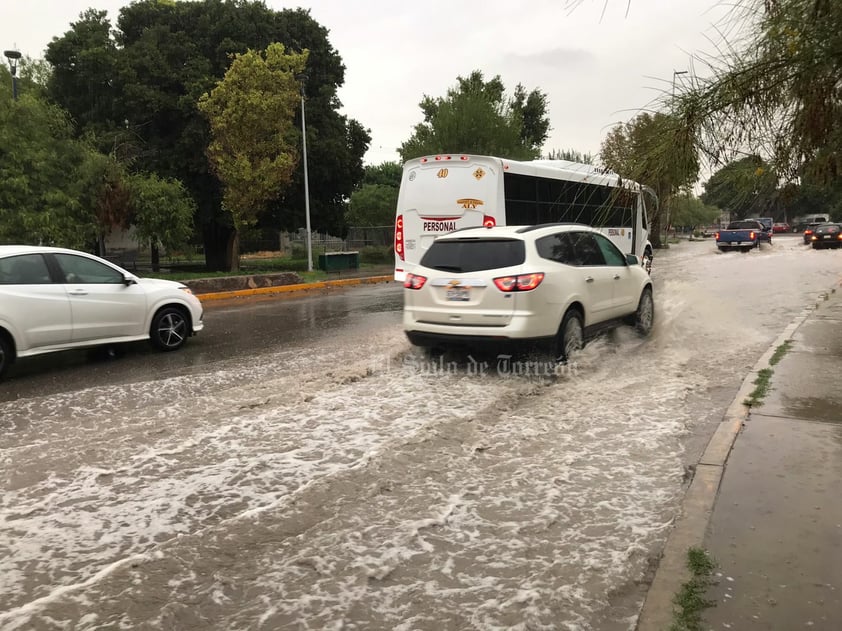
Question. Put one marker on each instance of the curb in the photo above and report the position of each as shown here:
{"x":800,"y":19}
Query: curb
{"x":284,"y":289}
{"x":697,"y":506}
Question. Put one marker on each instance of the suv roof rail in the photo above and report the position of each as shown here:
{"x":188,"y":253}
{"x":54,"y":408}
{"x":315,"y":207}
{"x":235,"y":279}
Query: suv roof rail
{"x":550,"y":225}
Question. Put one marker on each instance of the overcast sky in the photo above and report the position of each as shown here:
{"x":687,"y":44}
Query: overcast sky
{"x":599,"y":64}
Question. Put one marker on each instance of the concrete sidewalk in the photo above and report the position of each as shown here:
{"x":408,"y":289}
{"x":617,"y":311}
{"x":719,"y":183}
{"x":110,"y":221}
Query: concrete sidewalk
{"x":766,"y":495}
{"x":776,"y":529}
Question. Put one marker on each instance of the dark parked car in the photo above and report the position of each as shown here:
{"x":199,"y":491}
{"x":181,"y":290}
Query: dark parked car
{"x":827,"y":235}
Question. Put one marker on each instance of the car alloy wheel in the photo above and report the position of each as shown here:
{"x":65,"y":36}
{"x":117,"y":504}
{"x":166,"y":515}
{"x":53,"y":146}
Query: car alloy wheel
{"x":169,"y":329}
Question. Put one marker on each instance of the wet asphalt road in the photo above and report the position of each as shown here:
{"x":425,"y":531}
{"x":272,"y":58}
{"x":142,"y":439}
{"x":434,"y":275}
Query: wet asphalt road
{"x":234,"y":330}
{"x":300,"y":466}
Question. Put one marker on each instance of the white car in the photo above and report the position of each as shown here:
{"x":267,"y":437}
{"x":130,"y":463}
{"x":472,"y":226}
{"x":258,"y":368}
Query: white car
{"x":52,"y":299}
{"x":552,"y":284}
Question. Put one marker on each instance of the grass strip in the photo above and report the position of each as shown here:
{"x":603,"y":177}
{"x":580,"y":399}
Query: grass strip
{"x":761,"y":387}
{"x":782,"y":350}
{"x":691,"y":600}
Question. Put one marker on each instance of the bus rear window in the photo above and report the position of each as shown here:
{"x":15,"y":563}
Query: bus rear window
{"x":475,"y":255}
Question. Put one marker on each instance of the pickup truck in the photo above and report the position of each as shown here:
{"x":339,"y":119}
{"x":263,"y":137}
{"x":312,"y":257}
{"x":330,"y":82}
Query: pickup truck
{"x":743,"y":235}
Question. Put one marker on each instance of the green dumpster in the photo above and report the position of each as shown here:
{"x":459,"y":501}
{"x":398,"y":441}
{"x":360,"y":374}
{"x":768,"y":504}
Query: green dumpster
{"x":337,"y":261}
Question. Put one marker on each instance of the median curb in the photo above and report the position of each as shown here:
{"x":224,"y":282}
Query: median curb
{"x":284,"y":289}
{"x":697,"y":506}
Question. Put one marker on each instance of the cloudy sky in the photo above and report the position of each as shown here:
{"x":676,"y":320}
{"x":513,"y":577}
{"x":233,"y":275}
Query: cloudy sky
{"x":599,"y":63}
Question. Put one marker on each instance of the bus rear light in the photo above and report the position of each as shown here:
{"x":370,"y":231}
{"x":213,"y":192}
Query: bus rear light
{"x":488,"y":221}
{"x":463,"y":158}
{"x":414,"y":281}
{"x":522,"y":282}
{"x":399,"y":237}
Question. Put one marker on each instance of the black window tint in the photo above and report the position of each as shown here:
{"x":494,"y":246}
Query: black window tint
{"x":474,"y":255}
{"x":25,"y":269}
{"x":587,"y":249}
{"x":612,"y":255}
{"x":558,"y":248}
{"x":79,"y":269}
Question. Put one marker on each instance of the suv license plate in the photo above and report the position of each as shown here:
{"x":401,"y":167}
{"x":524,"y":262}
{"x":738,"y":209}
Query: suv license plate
{"x":458,"y":294}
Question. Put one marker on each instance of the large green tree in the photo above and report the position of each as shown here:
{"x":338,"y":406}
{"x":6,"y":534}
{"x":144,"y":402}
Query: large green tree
{"x":162,"y":213}
{"x":374,"y":202}
{"x":254,"y":149}
{"x":164,"y":56}
{"x":44,"y":183}
{"x":743,"y":188}
{"x":477,"y":117}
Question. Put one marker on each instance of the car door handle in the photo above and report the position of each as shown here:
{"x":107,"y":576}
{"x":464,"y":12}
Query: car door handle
{"x":589,"y":279}
{"x":77,"y":292}
{"x":616,"y":277}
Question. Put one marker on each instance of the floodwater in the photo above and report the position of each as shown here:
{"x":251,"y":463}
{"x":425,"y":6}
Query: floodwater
{"x":355,"y":483}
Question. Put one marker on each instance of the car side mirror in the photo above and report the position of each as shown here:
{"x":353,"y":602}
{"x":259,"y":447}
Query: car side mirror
{"x":128,"y":280}
{"x":632,"y":259}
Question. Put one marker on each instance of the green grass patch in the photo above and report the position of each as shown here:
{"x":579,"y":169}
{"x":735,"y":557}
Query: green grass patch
{"x":761,"y":387}
{"x":782,"y":350}
{"x":691,"y":600}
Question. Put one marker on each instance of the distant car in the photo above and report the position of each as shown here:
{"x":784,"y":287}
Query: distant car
{"x":709,"y":231}
{"x":550,"y":285}
{"x":780,"y":227}
{"x":827,"y":235}
{"x":808,"y":231}
{"x":52,"y":299}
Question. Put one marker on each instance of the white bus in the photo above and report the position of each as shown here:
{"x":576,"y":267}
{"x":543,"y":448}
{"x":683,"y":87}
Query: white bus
{"x":440,"y":194}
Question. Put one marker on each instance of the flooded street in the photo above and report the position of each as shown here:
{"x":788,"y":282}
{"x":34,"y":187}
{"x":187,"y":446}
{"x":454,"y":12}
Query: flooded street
{"x":348,"y":481}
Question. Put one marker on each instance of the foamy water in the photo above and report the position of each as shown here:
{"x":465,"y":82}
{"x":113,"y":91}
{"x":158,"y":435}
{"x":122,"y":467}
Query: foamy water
{"x":356,"y":488}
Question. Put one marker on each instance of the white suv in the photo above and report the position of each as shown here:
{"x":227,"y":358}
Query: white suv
{"x":555,"y":284}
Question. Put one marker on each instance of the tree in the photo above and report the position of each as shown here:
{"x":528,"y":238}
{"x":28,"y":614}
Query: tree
{"x":162,"y":213}
{"x":254,"y":147}
{"x":651,"y":150}
{"x":689,"y":211}
{"x":476,"y":117}
{"x":570,"y":155}
{"x":165,"y":56}
{"x":776,"y":92}
{"x":42,"y":175}
{"x":744,"y":188}
{"x":373,"y":205}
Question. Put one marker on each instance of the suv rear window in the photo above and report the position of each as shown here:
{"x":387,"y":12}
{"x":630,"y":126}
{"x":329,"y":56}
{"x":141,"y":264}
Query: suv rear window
{"x":474,"y":255}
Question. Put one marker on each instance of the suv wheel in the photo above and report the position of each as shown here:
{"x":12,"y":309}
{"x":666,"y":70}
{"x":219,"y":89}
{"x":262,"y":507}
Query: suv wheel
{"x":571,"y":337}
{"x":5,"y":354}
{"x":644,"y":317}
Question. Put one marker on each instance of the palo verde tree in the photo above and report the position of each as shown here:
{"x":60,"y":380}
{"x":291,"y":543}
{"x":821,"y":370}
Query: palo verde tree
{"x":476,"y":117}
{"x":253,"y":150}
{"x":775,"y":93}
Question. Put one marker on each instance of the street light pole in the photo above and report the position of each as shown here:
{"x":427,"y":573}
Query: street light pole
{"x":301,"y":79}
{"x":675,"y":73}
{"x":13,"y":56}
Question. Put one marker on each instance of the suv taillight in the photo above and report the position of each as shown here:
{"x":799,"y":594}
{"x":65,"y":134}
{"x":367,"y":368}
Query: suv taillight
{"x":414,"y":281}
{"x":399,"y":237}
{"x":751,"y":235}
{"x":716,"y":236}
{"x":522,"y":282}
